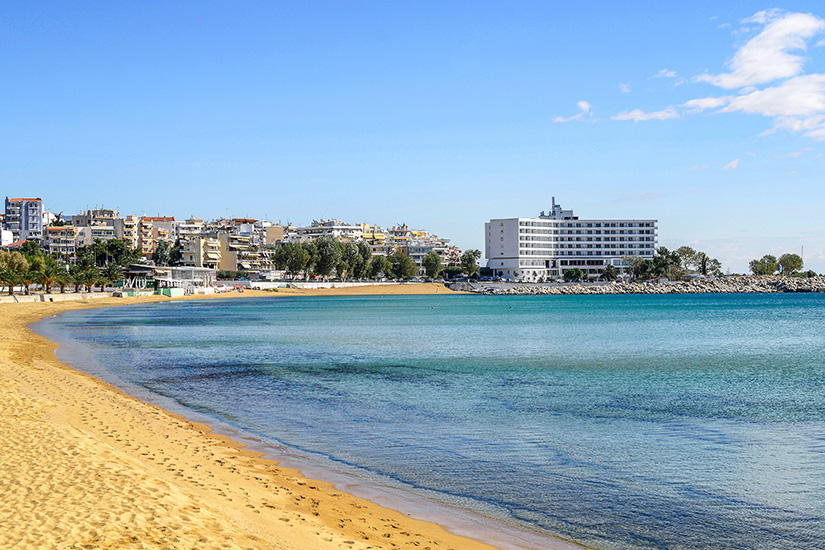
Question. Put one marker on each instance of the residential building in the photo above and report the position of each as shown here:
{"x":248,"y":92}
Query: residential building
{"x":542,"y":248}
{"x":98,"y":216}
{"x":336,"y":229}
{"x":91,"y":233}
{"x":151,"y":230}
{"x":127,"y":230}
{"x":62,"y":240}
{"x":200,"y":252}
{"x":6,"y":237}
{"x":193,"y":227}
{"x":24,"y":218}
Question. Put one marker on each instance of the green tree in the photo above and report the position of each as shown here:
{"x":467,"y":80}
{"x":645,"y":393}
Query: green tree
{"x":110,"y":273}
{"x":379,"y":264}
{"x":365,"y":251}
{"x":609,"y":273}
{"x":432,"y":264}
{"x":162,"y":254}
{"x":667,"y":264}
{"x":49,"y":271}
{"x":176,"y":253}
{"x":292,"y":258}
{"x":62,"y":278}
{"x":688,"y":258}
{"x":639,"y":268}
{"x":574,"y":274}
{"x":105,"y":252}
{"x":58,"y":220}
{"x":30,"y":248}
{"x":328,"y":256}
{"x":469,"y":262}
{"x":790,"y":263}
{"x":13,"y":269}
{"x":32,"y":275}
{"x":402,"y":266}
{"x":767,"y":265}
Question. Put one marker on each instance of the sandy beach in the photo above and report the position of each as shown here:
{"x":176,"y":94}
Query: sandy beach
{"x":86,"y":466}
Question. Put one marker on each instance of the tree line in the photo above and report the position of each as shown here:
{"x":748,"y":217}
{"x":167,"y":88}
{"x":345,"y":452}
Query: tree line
{"x":786,"y":264}
{"x":326,"y":256}
{"x":98,"y":264}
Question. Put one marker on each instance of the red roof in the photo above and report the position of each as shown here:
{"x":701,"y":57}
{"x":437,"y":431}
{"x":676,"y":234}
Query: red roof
{"x":60,"y":227}
{"x":18,"y":200}
{"x":16,"y":244}
{"x":246,"y":220}
{"x":158,"y":218}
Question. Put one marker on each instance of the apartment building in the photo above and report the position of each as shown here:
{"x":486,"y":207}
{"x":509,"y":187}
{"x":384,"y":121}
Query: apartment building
{"x":24,"y":218}
{"x":127,"y":230}
{"x":542,"y":248}
{"x":336,"y":229}
{"x":200,"y":251}
{"x":152,"y":229}
{"x":98,"y":216}
{"x":63,"y":241}
{"x":88,"y":234}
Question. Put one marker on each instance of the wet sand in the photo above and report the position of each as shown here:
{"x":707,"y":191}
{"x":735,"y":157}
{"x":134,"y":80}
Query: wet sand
{"x":86,"y":466}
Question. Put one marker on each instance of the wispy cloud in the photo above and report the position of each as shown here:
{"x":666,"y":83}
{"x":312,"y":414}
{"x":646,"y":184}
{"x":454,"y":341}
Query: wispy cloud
{"x":584,"y":111}
{"x":638,"y":115}
{"x":767,"y":74}
{"x":698,"y":168}
{"x":731,"y":165}
{"x":666,"y":73}
{"x":765,"y":57}
{"x":624,"y":88}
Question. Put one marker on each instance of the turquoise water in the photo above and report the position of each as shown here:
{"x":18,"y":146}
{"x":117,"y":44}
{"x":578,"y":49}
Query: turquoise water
{"x":683,"y":421}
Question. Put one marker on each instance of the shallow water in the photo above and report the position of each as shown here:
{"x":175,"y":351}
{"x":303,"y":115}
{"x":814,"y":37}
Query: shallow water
{"x":674,"y":421}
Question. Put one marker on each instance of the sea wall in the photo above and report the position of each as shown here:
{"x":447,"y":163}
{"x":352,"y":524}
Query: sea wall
{"x":54,"y":297}
{"x":745,"y":284}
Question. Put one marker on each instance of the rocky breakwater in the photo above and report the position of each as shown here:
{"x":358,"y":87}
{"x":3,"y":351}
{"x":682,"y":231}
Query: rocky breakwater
{"x":745,"y":284}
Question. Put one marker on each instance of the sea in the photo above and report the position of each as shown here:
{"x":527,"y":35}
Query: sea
{"x":617,"y":422}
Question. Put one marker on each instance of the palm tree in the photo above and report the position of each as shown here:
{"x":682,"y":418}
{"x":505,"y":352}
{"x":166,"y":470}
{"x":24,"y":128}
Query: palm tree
{"x":110,"y":273}
{"x":609,"y":273}
{"x":62,"y":278}
{"x":48,"y":274}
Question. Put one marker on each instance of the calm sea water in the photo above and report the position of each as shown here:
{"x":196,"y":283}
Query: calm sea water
{"x":616,"y":421}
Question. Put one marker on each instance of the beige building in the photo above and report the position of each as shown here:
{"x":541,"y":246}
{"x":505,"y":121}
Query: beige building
{"x":62,"y":240}
{"x":127,"y":230}
{"x":201,"y":252}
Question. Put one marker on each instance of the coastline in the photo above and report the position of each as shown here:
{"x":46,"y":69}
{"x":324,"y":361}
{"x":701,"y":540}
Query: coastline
{"x":91,"y":466}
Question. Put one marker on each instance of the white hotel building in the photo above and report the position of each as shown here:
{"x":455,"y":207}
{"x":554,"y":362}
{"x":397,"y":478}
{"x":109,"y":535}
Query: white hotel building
{"x":534,"y":249}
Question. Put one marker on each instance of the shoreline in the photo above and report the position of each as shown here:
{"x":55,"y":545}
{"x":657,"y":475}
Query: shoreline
{"x":190,"y":486}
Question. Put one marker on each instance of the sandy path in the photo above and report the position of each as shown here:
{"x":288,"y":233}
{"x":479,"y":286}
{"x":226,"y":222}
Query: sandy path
{"x":85,"y":466}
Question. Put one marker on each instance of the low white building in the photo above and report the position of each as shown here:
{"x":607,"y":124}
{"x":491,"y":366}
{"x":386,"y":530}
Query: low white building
{"x":542,"y":248}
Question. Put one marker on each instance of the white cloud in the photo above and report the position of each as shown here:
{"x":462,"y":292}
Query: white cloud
{"x":765,"y":57}
{"x":701,"y":104}
{"x":799,"y":96}
{"x":731,"y":165}
{"x":584,"y":109}
{"x":751,"y":154}
{"x":665,"y":73}
{"x":624,"y":88}
{"x":639,"y":115}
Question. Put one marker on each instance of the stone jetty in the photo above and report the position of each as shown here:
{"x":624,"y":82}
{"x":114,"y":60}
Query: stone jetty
{"x":743,"y":284}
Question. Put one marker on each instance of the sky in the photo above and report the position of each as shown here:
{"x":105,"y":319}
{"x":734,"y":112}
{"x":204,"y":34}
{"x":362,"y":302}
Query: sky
{"x":708,"y":116}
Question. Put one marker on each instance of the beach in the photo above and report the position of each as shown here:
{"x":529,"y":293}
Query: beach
{"x":86,"y":466}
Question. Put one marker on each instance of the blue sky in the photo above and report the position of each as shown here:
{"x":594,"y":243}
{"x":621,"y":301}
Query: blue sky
{"x":439,"y":114}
